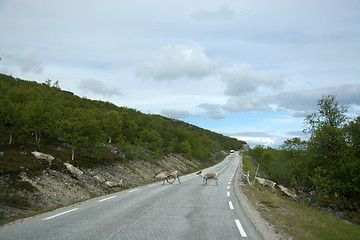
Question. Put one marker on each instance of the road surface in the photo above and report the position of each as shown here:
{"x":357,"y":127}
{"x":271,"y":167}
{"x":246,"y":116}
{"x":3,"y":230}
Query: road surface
{"x":190,"y":210}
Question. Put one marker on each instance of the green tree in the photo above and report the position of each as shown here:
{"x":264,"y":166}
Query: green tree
{"x":184,"y":147}
{"x":152,"y":139}
{"x":351,"y":169}
{"x":294,"y":151}
{"x":327,"y":143}
{"x":111,"y":123}
{"x":330,"y":113}
{"x":12,"y":109}
{"x":81,"y":129}
{"x":41,"y":111}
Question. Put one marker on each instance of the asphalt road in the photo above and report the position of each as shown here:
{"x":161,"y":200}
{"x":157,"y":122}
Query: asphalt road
{"x":190,"y":210}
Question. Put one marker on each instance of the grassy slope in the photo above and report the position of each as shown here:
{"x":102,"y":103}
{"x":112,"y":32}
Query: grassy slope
{"x":296,"y":219}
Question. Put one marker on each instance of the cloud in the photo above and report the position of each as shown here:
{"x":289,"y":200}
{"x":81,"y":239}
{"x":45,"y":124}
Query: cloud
{"x":98,"y":87}
{"x":28,"y":61}
{"x":223,"y":13}
{"x":213,"y":111}
{"x":240,"y":79}
{"x":256,"y":138}
{"x":300,"y":102}
{"x":247,"y":103}
{"x":178,"y":61}
{"x":177,"y":114}
{"x":296,"y":134}
{"x":270,"y":139}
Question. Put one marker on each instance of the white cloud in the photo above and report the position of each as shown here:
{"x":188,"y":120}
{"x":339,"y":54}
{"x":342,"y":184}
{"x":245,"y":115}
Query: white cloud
{"x":253,"y":141}
{"x":27,"y":61}
{"x":213,"y":111}
{"x":178,"y":114}
{"x":241,"y":79}
{"x":98,"y":87}
{"x":178,"y":61}
{"x":223,"y":13}
{"x":247,"y":103}
{"x":300,"y":103}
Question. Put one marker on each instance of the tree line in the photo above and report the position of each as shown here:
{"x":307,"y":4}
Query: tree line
{"x":328,"y":163}
{"x":28,"y":108}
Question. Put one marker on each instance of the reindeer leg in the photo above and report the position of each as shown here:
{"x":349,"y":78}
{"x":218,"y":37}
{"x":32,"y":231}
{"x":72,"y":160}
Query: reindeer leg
{"x":179,"y":180}
{"x":168,"y":181}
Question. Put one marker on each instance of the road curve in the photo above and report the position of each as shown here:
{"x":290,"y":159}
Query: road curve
{"x":190,"y":210}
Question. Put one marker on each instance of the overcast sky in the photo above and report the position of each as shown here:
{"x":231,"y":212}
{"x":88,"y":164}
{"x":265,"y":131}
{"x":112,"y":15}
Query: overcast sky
{"x":251,"y":69}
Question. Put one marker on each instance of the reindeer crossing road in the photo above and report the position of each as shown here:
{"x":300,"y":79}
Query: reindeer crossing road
{"x":190,"y":210}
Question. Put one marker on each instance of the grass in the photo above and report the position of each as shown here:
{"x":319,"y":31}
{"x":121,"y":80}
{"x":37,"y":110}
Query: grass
{"x":295,"y":219}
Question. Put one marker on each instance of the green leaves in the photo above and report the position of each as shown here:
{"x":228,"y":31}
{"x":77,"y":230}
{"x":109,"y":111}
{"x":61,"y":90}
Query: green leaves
{"x":330,"y":113}
{"x":80,"y":128}
{"x":329,"y":163}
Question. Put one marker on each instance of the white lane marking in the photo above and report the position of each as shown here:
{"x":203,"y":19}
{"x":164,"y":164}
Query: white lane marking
{"x":106,"y":199}
{"x":229,"y":183}
{"x":228,"y":194}
{"x":134,"y":190}
{"x":228,"y":187}
{"x":231,"y":205}
{"x":57,"y":215}
{"x":241,"y":229}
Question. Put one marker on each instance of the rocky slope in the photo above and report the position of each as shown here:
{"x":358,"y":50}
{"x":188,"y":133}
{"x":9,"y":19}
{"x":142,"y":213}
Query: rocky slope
{"x":55,"y":188}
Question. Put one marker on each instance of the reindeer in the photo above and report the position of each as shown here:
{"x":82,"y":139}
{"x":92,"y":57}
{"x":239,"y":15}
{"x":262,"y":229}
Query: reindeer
{"x":166,"y":175}
{"x":288,"y":192}
{"x":207,"y":176}
{"x":265,"y":182}
{"x":77,"y":172}
{"x":40,"y":155}
{"x":111,"y":184}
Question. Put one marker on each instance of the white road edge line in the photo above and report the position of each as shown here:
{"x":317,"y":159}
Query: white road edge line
{"x":57,"y":215}
{"x":231,"y":205}
{"x":134,"y":190}
{"x":228,"y":187}
{"x":228,"y":193}
{"x":241,"y":230}
{"x":106,"y":199}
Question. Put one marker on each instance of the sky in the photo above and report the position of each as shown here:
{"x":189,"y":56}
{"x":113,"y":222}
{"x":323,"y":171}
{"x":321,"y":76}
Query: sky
{"x":250,"y":69}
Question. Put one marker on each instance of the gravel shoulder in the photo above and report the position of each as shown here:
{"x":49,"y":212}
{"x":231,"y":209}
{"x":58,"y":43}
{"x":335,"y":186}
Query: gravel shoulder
{"x":266,"y":230}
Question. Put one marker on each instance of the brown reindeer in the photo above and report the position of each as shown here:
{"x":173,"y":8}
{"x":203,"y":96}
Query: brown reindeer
{"x":207,"y":176}
{"x":166,"y":175}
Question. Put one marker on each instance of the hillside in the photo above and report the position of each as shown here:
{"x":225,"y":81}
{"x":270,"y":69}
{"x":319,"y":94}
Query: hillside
{"x":97,"y":137}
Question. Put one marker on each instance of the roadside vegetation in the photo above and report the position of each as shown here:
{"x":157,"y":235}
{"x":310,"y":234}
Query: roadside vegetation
{"x":297,"y":220}
{"x":323,"y":171}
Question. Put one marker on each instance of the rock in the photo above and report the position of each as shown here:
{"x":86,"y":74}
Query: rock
{"x":334,"y":207}
{"x":327,"y":210}
{"x":2,"y":154}
{"x":341,"y":215}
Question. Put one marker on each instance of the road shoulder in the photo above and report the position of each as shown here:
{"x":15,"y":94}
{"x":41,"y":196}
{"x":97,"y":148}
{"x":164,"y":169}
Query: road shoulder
{"x":266,"y":230}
